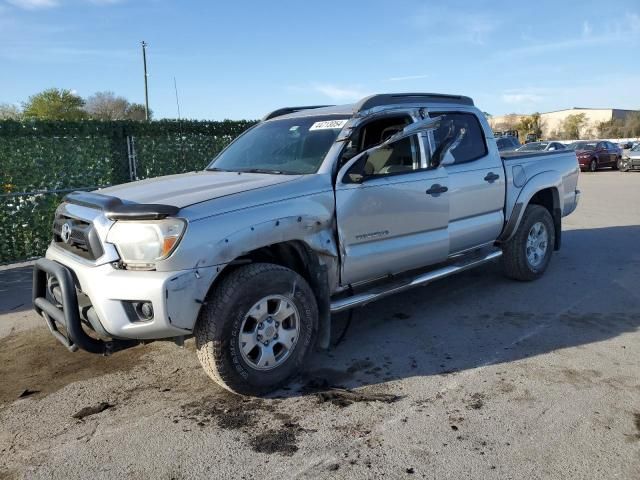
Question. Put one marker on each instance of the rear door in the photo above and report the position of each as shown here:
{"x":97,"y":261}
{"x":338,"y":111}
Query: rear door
{"x":396,"y":218}
{"x":476,"y":183}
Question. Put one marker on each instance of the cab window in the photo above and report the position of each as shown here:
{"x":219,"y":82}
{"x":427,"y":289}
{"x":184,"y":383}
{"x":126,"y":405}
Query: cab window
{"x":402,"y":156}
{"x":467,"y":130}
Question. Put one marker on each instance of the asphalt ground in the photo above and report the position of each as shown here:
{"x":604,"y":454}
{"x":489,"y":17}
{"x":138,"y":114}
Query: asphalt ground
{"x":474,"y":377}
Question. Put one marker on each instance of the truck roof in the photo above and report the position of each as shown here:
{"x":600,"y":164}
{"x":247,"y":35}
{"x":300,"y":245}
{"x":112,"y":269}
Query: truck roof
{"x":367,"y":103}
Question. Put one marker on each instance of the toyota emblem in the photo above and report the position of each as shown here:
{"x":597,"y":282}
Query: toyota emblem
{"x":65,"y":232}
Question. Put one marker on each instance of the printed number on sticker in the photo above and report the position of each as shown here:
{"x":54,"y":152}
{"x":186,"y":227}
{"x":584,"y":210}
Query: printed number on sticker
{"x":328,"y":124}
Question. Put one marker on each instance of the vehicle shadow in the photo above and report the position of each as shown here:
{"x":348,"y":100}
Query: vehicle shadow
{"x":15,"y":289}
{"x":589,"y":294}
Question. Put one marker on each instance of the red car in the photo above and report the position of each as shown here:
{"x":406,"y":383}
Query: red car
{"x":595,"y":154}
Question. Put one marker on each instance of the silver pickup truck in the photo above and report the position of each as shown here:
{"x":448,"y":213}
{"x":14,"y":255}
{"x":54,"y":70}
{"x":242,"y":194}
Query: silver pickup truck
{"x":313,"y":211}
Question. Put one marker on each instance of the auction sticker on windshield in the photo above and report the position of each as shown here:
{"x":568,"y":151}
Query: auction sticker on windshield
{"x":328,"y":125}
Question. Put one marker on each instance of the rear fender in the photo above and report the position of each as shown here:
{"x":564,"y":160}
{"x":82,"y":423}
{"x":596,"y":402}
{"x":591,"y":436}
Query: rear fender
{"x":542,"y":181}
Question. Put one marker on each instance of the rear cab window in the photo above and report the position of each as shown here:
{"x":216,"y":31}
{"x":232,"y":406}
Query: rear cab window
{"x":466,"y":128}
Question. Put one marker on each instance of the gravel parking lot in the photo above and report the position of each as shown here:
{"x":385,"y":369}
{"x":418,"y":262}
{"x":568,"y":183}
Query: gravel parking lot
{"x":473,"y":377}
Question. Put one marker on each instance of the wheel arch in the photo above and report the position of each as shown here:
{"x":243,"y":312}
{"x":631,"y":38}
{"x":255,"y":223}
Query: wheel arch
{"x":317,"y":268}
{"x":545,"y":189}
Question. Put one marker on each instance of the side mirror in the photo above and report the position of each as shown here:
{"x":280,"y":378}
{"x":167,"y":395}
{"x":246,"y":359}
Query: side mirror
{"x":355,"y":168}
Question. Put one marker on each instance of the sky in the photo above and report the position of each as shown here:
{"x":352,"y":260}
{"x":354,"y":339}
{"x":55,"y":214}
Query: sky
{"x":242,"y":59}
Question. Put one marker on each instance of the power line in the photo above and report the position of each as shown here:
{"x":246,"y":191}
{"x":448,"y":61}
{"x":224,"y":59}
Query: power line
{"x":175,"y":86}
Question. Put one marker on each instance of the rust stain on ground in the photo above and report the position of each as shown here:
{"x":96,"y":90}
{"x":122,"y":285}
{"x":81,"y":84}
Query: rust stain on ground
{"x":35,"y":360}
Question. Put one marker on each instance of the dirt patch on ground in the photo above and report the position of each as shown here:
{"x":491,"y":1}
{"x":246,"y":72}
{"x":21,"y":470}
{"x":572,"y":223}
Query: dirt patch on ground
{"x":227,"y":410}
{"x":281,"y":441}
{"x":35,"y":361}
{"x":344,"y":398}
{"x":249,"y":416}
{"x":475,"y":401}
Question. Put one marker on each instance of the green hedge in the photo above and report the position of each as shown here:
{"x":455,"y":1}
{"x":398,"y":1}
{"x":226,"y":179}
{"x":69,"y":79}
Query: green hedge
{"x":41,"y":160}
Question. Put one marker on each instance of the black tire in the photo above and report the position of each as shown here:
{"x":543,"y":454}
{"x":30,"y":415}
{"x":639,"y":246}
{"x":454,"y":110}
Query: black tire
{"x":593,"y":165}
{"x":218,"y":328}
{"x":623,"y":165}
{"x":514,"y":258}
{"x":615,"y":164}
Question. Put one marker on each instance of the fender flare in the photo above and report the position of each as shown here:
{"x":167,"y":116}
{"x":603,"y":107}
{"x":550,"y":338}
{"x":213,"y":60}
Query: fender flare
{"x":311,"y":237}
{"x":549,"y":179}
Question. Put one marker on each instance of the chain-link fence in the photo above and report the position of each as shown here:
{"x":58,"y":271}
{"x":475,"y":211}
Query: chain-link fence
{"x":41,"y":161}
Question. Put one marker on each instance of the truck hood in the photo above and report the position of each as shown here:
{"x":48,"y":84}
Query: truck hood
{"x":189,"y":188}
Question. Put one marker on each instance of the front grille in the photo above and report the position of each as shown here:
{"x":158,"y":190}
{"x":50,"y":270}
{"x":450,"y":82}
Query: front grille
{"x":83,"y":239}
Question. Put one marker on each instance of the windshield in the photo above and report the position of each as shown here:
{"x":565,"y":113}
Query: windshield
{"x":289,"y":146}
{"x":532,"y":147}
{"x":583,"y":146}
{"x":636,"y":148}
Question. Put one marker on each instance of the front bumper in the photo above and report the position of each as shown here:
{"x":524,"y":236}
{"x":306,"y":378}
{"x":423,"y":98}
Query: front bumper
{"x":107,"y":296}
{"x":67,"y":314}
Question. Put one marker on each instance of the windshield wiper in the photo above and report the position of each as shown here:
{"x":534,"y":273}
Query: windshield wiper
{"x":265,"y":170}
{"x":216,"y":169}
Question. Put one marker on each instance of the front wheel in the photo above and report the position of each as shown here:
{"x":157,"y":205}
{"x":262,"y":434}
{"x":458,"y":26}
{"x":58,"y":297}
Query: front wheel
{"x":257,"y":328}
{"x":623,"y":165}
{"x":593,"y":165}
{"x":528,"y":253}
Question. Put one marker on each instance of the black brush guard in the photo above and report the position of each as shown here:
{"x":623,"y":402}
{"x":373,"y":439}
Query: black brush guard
{"x":69,"y":314}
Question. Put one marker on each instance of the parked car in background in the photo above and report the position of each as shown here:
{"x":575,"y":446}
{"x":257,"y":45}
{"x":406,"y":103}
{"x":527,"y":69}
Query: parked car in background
{"x":507,"y":143}
{"x":630,"y":159}
{"x":594,"y":154}
{"x":506,"y":133}
{"x":541,"y":147}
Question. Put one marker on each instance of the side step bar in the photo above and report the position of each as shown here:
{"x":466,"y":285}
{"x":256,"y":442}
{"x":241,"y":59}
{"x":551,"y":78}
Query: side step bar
{"x":361,"y":299}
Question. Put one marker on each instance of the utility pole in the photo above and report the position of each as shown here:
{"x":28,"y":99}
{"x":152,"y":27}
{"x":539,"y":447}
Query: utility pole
{"x":146,"y":90}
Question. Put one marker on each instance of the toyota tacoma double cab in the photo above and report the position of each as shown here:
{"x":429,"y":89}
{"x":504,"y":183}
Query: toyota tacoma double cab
{"x":313,"y":211}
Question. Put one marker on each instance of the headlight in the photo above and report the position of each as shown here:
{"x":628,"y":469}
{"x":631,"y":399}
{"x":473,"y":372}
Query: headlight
{"x":142,"y":243}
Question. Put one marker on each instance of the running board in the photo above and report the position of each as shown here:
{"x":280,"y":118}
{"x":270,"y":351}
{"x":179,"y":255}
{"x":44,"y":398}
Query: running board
{"x":361,"y":299}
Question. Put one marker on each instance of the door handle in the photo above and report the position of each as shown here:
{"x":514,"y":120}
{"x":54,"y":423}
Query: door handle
{"x":436,"y":190}
{"x":491,"y":177}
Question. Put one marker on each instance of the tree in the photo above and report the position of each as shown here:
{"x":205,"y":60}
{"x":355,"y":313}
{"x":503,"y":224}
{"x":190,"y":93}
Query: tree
{"x":530,"y":124}
{"x":55,"y":104}
{"x":573,"y":125}
{"x":9,"y":112}
{"x":135,"y":111}
{"x":106,"y":106}
{"x":629,"y":127}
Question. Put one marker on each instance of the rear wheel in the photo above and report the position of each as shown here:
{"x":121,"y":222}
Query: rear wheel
{"x":528,"y":253}
{"x":257,"y":328}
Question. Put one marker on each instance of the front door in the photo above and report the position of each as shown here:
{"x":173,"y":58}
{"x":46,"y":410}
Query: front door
{"x":396,"y":218}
